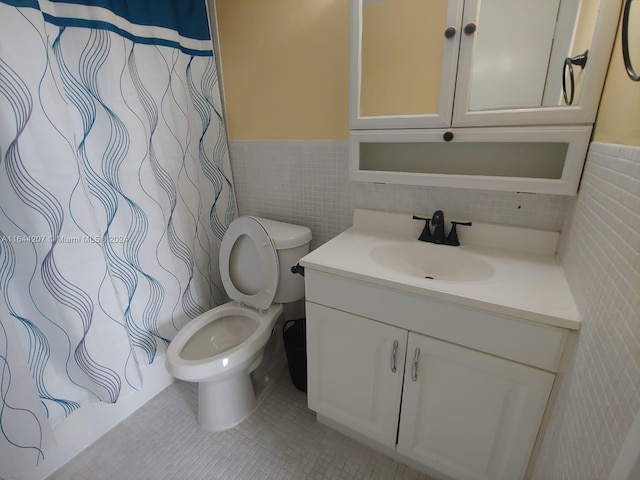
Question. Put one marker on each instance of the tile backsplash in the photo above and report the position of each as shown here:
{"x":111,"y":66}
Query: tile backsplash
{"x":600,"y":252}
{"x":306,"y":182}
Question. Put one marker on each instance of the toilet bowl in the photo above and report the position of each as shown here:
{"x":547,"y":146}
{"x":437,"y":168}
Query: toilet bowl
{"x":220,"y":348}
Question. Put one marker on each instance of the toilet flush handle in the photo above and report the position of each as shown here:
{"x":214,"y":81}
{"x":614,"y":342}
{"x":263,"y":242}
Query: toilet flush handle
{"x":297,"y":268}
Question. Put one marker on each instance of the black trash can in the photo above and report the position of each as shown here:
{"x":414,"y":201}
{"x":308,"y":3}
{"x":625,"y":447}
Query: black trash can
{"x":295,"y":345}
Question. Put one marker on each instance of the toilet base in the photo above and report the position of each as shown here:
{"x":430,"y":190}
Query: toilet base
{"x":224,"y":404}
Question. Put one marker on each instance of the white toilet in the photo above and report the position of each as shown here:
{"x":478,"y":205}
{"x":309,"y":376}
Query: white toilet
{"x":220,"y":348}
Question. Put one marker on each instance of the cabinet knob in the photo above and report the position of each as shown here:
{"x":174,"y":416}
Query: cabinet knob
{"x":448,"y":136}
{"x":470,"y":28}
{"x":450,"y":32}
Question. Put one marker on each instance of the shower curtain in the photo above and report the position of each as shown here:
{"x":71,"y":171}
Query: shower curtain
{"x":115,"y":191}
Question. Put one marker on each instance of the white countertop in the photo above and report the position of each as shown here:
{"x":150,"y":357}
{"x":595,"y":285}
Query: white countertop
{"x":528,"y":284}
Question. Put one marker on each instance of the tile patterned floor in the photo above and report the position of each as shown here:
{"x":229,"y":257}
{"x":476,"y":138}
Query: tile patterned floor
{"x":281,"y":440}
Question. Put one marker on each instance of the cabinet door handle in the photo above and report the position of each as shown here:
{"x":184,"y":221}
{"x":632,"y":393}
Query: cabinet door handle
{"x":450,"y":32}
{"x":470,"y":28}
{"x":414,"y":368}
{"x":393,"y":356}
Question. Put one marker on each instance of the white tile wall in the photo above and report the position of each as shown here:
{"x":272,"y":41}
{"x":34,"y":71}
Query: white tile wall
{"x":306,"y":182}
{"x":600,"y":251}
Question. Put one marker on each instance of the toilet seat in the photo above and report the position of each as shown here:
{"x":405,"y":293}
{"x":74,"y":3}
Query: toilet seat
{"x":256,"y":244}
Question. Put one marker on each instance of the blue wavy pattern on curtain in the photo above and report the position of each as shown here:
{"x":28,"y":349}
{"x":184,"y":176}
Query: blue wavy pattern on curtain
{"x":115,"y":192}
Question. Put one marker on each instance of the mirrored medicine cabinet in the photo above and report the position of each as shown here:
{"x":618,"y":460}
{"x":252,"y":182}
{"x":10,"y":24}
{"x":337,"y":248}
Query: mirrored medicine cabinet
{"x":449,"y":66}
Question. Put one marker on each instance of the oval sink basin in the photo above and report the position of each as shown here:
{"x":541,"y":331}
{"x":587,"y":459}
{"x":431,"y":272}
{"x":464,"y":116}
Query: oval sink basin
{"x":437,"y":262}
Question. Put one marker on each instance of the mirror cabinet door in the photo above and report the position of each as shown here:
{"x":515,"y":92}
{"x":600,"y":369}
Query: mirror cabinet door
{"x":404,"y":58}
{"x":527,"y":62}
{"x":511,"y":51}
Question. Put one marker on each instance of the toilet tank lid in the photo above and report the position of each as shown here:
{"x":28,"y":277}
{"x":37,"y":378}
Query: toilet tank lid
{"x":285,"y":235}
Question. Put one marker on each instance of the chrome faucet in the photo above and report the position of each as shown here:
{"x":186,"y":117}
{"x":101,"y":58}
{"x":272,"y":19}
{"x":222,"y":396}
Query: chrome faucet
{"x":438,"y":235}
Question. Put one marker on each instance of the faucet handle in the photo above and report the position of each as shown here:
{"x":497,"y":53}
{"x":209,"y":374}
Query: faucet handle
{"x":425,"y":236}
{"x":452,"y":239}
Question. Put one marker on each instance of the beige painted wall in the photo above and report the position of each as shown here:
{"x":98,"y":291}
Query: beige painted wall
{"x":285,"y":66}
{"x":619,"y":114}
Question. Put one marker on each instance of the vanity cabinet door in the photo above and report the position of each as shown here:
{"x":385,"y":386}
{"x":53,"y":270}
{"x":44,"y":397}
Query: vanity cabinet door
{"x":350,"y":362}
{"x":468,"y":414}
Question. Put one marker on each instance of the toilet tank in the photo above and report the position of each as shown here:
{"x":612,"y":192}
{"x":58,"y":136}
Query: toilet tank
{"x":291,"y":243}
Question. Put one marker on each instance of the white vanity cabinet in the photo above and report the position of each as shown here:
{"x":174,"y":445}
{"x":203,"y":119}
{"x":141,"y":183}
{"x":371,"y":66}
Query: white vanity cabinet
{"x":457,"y":391}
